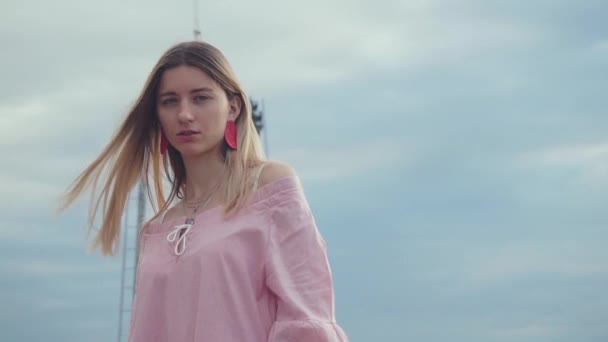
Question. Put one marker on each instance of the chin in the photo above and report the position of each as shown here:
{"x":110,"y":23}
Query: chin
{"x":194,"y":151}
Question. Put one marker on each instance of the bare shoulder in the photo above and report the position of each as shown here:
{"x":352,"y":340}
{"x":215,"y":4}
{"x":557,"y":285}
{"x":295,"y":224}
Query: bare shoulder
{"x":274,"y":170}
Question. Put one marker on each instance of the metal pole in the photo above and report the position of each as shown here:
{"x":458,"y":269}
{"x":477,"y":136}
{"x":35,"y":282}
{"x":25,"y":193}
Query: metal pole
{"x":197,"y":26}
{"x":122,"y":273}
{"x":265,"y":129}
{"x":141,"y":213}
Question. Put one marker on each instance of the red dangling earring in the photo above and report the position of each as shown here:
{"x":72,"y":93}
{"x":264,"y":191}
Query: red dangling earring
{"x":164,"y":142}
{"x":230,"y":134}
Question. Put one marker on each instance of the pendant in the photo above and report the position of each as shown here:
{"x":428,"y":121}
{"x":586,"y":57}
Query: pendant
{"x":190,"y":221}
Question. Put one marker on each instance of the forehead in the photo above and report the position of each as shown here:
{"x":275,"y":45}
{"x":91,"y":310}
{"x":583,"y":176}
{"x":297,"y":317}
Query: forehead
{"x":184,"y":78}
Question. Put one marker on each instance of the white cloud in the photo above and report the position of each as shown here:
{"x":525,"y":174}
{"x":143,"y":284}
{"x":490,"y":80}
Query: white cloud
{"x":572,"y":154}
{"x":518,"y":261}
{"x":589,"y":162}
{"x":45,"y":267}
{"x":597,"y":51}
{"x":331,"y":163}
{"x":21,"y":122}
{"x":537,"y":329}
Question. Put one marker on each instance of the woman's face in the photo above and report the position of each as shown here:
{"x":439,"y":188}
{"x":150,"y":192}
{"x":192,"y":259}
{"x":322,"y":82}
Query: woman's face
{"x":193,"y":110}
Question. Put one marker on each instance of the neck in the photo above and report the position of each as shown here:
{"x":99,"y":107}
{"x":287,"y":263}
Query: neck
{"x":203,"y":174}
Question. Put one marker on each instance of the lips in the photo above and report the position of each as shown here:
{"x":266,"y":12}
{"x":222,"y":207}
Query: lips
{"x":187,"y":133}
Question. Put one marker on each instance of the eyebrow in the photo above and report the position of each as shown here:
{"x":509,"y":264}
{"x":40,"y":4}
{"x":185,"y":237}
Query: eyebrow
{"x":203,"y":89}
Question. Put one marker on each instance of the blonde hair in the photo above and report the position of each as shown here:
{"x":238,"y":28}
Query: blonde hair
{"x":135,"y":148}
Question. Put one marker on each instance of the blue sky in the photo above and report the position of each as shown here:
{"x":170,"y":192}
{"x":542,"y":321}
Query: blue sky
{"x":455,"y":155}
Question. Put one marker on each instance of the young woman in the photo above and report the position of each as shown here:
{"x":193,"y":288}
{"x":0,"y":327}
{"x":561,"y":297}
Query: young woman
{"x":233,"y":254}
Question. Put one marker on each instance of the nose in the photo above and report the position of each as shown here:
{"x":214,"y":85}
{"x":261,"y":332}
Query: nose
{"x":185,"y":112}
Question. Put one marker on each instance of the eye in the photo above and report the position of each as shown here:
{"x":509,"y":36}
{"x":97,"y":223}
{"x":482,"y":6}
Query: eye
{"x":168,"y":101}
{"x":200,"y":98}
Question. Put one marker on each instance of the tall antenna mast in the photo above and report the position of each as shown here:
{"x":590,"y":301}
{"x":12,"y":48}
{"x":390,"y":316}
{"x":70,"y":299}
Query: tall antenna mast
{"x":197,"y":25}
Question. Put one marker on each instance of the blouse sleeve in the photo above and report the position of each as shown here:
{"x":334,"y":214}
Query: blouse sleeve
{"x":298,"y":273}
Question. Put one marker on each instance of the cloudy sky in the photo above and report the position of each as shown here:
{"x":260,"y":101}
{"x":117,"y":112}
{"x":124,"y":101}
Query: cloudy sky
{"x":455,"y":154}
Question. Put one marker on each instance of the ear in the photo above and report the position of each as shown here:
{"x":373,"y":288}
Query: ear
{"x":234,"y":107}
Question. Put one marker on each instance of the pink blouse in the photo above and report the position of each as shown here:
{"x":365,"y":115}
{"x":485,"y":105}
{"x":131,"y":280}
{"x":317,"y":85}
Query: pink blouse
{"x":260,"y":275}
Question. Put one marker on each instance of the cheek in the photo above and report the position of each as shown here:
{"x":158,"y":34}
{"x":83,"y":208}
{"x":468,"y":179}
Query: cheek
{"x":213,"y":119}
{"x":163,"y":119}
{"x":213,"y":126}
{"x":165,"y":115}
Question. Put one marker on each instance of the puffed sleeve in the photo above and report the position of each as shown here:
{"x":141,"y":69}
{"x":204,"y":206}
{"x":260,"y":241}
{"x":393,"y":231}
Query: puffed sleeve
{"x":298,"y":273}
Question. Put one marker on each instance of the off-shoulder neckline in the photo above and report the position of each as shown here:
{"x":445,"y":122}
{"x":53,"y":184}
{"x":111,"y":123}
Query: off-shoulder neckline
{"x":261,"y":193}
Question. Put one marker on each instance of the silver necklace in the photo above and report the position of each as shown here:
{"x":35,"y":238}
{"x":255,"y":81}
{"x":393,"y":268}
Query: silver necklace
{"x":180,"y":232}
{"x":185,"y":204}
